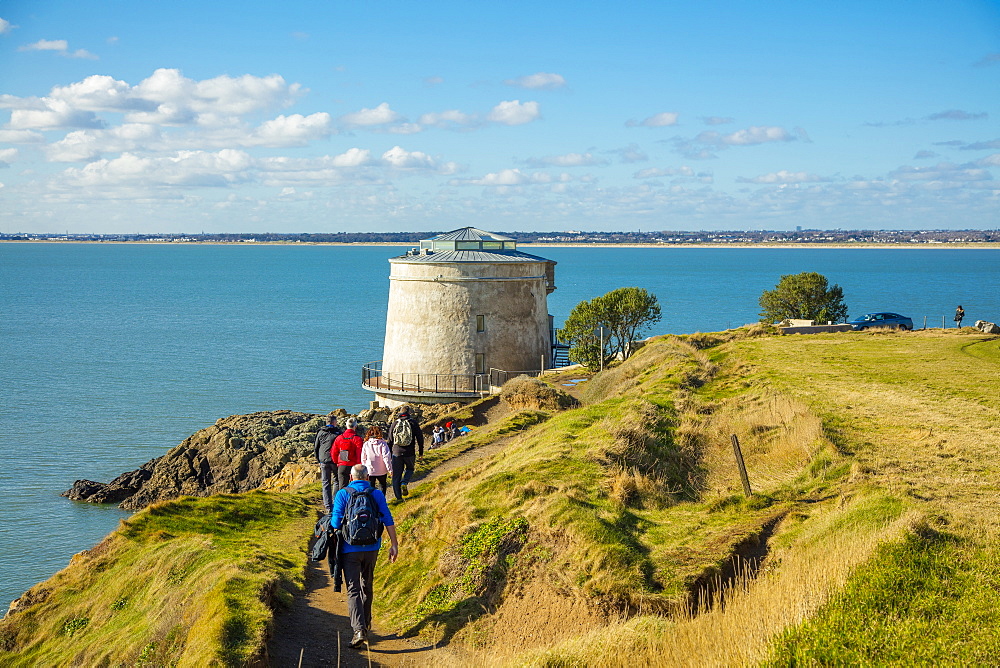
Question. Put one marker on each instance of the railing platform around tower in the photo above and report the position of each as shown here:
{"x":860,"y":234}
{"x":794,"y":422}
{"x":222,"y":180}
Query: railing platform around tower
{"x":456,"y":386}
{"x":451,"y":385}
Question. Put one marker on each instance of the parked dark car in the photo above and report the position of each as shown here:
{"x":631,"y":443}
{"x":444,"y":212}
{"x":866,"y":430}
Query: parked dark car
{"x":884,"y":319}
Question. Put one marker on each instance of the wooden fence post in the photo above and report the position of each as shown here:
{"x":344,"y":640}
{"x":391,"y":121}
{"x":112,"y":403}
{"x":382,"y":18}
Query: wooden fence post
{"x":741,"y":465}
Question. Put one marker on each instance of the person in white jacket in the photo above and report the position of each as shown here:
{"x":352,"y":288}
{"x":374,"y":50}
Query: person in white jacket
{"x":376,"y":457}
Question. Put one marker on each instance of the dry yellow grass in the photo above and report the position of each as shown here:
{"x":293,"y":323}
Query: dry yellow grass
{"x":798,"y":582}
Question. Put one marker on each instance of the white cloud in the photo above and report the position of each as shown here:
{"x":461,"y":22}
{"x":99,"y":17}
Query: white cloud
{"x":85,"y":145}
{"x":539,"y":81}
{"x":958,"y":115}
{"x":186,"y":168}
{"x":351,"y":158}
{"x":405,"y":129}
{"x":20,"y":137}
{"x":513,"y":112}
{"x":943,"y":171}
{"x":657,"y":172}
{"x":756,"y":134}
{"x":399,"y":158}
{"x":403,"y":159}
{"x":567,"y":160}
{"x":7,"y":156}
{"x":210,"y":102}
{"x":447,"y":119}
{"x":989,"y":161}
{"x":164,"y":98}
{"x":663,"y":119}
{"x":506,"y":177}
{"x":46,"y":45}
{"x":783,"y":177}
{"x":5,"y":26}
{"x":380,"y":115}
{"x":57,"y":114}
{"x":630,"y":154}
{"x":511,"y":177}
{"x":293,"y":130}
{"x":60,"y":46}
{"x":354,"y":157}
{"x":99,"y":93}
{"x":702,"y":146}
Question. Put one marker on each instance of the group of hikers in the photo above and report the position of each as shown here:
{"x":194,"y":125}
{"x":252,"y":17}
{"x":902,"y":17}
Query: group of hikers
{"x":350,"y":461}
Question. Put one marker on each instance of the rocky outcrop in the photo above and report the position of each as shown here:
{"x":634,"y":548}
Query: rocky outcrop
{"x":987,"y":327}
{"x":236,"y":454}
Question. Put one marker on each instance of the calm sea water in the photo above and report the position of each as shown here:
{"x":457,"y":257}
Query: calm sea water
{"x":111,"y":354}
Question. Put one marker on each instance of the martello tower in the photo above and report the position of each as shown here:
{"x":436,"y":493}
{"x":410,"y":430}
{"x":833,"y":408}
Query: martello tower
{"x":466,"y":311}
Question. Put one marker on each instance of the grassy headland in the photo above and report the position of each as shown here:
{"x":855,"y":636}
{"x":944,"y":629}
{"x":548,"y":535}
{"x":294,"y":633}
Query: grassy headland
{"x":871,"y":536}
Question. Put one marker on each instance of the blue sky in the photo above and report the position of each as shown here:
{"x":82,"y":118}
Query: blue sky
{"x":385,"y":116}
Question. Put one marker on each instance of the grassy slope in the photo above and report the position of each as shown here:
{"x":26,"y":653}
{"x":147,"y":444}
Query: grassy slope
{"x":919,"y":417}
{"x":889,"y":554}
{"x":181,"y":583}
{"x":876,"y":454}
{"x":611,"y":507}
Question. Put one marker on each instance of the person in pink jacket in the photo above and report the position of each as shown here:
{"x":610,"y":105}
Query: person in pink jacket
{"x":376,"y":457}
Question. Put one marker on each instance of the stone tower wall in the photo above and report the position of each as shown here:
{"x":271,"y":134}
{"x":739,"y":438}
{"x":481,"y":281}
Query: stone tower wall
{"x":431,"y":325}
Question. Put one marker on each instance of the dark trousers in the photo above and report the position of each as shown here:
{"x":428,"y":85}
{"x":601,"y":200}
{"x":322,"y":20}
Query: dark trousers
{"x":379,"y":481}
{"x":359,"y":569}
{"x":343,"y":476}
{"x":328,"y":478}
{"x":402,"y":471}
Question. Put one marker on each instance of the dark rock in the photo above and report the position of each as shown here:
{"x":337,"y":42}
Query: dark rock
{"x":82,"y":490}
{"x":236,"y":454}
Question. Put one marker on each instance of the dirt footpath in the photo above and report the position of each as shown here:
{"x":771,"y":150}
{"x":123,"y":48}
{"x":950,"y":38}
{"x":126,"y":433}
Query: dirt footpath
{"x":318,"y":628}
{"x":318,"y":616}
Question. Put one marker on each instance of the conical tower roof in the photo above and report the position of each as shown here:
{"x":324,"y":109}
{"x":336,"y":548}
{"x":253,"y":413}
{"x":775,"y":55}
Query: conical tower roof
{"x":470,"y":234}
{"x":468,"y":244}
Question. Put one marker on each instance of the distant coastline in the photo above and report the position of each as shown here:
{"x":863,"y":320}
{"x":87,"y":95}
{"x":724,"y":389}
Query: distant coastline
{"x":952,"y":245}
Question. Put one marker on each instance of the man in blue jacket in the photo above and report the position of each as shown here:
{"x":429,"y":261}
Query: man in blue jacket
{"x":359,"y":560}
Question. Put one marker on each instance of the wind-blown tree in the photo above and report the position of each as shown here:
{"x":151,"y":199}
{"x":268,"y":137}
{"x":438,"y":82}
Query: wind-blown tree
{"x":805,"y":296}
{"x":624,"y":312}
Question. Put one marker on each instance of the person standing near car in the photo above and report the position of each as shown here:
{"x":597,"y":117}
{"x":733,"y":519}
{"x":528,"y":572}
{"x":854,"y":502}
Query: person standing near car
{"x":959,"y":316}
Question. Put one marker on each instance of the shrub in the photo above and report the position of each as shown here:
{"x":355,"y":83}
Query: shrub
{"x":524,"y":392}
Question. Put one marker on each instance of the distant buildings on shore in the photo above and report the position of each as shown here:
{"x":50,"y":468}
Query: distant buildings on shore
{"x":724,"y":237}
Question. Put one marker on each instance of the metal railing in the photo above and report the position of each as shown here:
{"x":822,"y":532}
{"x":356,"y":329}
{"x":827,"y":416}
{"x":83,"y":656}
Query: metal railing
{"x":498,"y":376}
{"x":374,"y":378}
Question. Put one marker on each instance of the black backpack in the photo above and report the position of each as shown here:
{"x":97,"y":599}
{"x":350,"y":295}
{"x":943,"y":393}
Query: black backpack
{"x":362,"y":520}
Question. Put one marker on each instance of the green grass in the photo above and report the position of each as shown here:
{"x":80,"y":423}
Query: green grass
{"x":626,"y":505}
{"x":605,"y":495}
{"x":189,"y":582}
{"x":933,"y":599}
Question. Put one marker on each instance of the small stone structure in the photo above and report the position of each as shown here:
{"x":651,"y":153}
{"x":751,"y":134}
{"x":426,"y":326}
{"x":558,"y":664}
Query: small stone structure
{"x":987,"y":327}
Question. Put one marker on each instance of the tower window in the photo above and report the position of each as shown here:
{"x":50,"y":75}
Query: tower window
{"x":480,"y":323}
{"x":480,"y":363}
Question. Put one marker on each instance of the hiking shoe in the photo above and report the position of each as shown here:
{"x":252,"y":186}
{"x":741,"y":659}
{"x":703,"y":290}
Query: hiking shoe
{"x":358,"y":640}
{"x":404,"y":489}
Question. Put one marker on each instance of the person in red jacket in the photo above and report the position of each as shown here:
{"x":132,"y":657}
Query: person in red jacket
{"x":346,"y":452}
